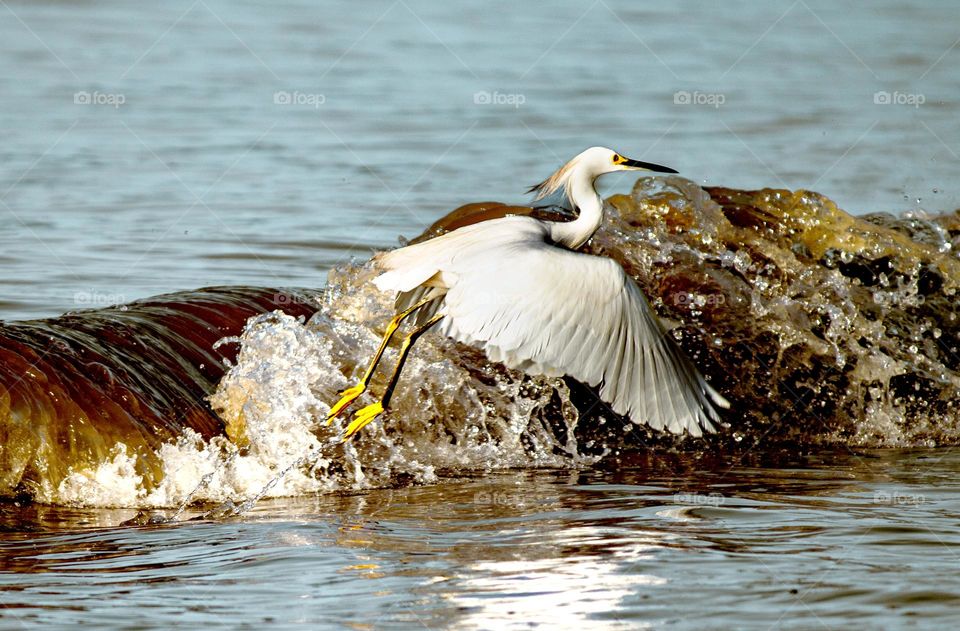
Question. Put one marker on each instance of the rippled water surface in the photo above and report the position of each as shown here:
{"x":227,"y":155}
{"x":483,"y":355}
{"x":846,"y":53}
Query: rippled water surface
{"x":862,"y":539}
{"x":200,"y":178}
{"x":263,"y":143}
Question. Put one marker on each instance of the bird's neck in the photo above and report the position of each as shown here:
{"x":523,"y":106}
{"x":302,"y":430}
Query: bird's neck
{"x":575,"y":233}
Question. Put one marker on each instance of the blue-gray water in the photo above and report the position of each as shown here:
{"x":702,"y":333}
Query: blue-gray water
{"x":152,"y":148}
{"x":199,"y":177}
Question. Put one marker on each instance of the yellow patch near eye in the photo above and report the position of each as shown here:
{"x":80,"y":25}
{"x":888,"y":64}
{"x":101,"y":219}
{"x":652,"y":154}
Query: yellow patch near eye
{"x":617,"y":158}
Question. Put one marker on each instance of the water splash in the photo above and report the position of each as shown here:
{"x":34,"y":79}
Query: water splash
{"x":819,"y":326}
{"x":455,"y":412}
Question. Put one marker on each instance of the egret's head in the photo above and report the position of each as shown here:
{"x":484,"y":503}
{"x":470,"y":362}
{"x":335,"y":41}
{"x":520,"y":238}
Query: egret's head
{"x":591,"y":164}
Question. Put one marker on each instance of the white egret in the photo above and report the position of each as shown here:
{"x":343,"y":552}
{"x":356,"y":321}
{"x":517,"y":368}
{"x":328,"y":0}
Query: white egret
{"x":516,"y":287}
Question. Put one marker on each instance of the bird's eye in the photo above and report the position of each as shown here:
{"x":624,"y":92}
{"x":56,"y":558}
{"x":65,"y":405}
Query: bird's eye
{"x":617,"y":158}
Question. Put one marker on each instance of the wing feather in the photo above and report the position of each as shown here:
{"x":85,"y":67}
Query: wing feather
{"x":544,"y":309}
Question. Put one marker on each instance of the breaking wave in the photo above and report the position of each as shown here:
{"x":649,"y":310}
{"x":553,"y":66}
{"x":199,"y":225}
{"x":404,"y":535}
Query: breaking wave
{"x":822,"y":329}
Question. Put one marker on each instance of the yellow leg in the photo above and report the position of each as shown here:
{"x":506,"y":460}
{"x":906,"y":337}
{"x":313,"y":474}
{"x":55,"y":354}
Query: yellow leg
{"x":363,"y":416}
{"x":347,"y":396}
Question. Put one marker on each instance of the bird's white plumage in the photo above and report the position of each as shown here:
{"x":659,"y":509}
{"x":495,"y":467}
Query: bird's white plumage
{"x":547,"y":310}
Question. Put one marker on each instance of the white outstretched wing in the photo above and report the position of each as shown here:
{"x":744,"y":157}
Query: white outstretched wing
{"x":548,"y":310}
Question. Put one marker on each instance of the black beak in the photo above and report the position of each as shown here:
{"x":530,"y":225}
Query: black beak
{"x":649,"y":166}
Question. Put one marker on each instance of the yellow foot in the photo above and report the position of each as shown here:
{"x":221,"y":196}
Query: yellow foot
{"x":347,"y":397}
{"x":362,"y":418}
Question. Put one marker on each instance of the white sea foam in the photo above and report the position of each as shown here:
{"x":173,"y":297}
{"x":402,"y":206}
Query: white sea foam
{"x":276,"y":398}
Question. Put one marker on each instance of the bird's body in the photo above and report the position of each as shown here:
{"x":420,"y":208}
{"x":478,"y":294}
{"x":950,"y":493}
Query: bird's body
{"x":515,"y":287}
